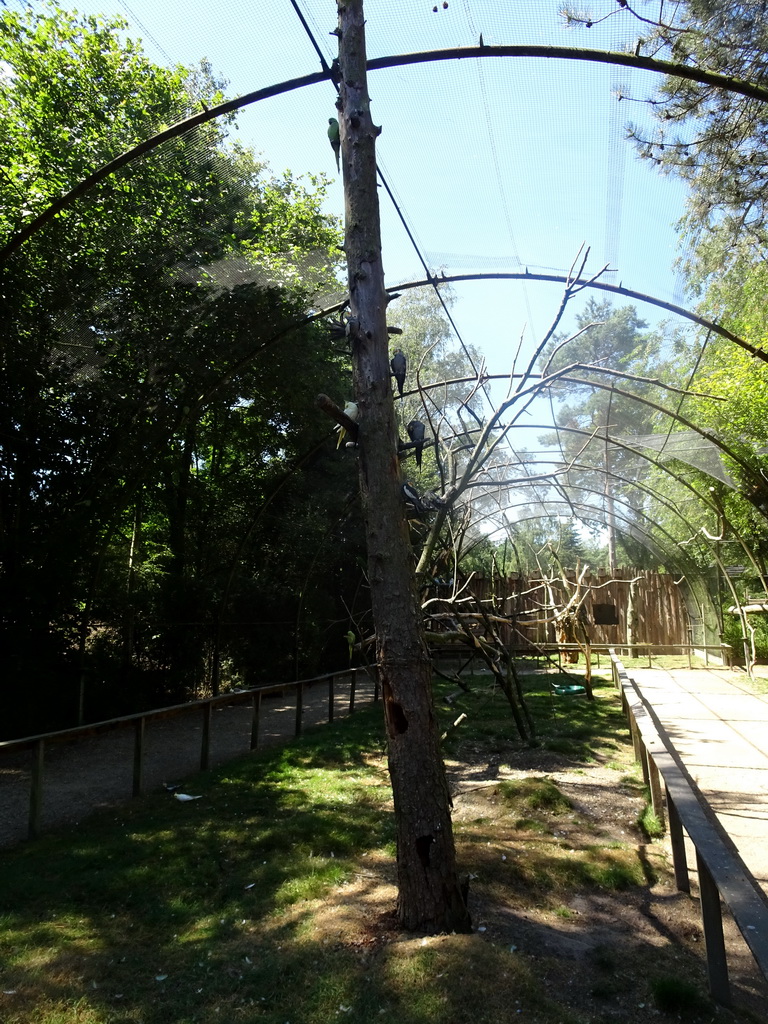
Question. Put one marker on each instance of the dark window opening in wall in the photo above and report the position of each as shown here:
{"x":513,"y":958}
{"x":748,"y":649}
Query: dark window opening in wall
{"x":605,"y":614}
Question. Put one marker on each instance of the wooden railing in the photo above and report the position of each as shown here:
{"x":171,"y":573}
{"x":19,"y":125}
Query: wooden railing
{"x":721,"y":871}
{"x":138,"y":722}
{"x":721,"y":654}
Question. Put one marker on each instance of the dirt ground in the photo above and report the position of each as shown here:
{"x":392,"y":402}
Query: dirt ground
{"x":597,"y":949}
{"x":598,"y":952}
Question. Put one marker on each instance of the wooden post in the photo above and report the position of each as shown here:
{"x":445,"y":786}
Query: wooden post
{"x":677,"y":840}
{"x":256,"y":720}
{"x":36,"y":788}
{"x":299,"y":708}
{"x":637,"y":742}
{"x":654,"y":782}
{"x":138,"y":755}
{"x":712,"y":921}
{"x":644,"y":759}
{"x":352,"y":689}
{"x":331,"y":680}
{"x":205,"y":745}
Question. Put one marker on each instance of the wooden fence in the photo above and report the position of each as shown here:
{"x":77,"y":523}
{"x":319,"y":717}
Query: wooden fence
{"x":721,"y":871}
{"x":39,"y":745}
{"x":657,"y":613}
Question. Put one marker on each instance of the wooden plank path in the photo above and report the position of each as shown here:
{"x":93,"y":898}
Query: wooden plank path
{"x":724,"y":766}
{"x":719,"y":729}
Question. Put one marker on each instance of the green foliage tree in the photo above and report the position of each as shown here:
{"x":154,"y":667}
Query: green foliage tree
{"x":713,"y":139}
{"x":150,"y":405}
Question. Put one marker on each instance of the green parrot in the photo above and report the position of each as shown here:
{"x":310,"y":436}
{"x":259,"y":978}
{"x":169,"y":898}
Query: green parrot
{"x":351,"y":638}
{"x":335,"y":139}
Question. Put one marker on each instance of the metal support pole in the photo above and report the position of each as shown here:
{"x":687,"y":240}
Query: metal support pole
{"x":36,"y":789}
{"x":299,"y":707}
{"x":205,"y":745}
{"x":139,"y":727}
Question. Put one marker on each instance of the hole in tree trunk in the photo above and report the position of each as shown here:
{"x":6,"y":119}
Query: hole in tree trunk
{"x":398,"y":723}
{"x":423,"y":844}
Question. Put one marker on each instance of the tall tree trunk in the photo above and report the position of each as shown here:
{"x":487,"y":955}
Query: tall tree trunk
{"x":430,"y":896}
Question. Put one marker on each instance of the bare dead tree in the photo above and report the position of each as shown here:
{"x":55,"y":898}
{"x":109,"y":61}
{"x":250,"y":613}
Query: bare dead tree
{"x":430,"y":895}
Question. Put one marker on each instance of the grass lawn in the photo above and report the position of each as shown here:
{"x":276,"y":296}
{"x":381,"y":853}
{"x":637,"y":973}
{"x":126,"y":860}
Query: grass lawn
{"x":270,"y":899}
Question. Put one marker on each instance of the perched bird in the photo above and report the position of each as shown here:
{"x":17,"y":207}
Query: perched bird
{"x":416,"y":430}
{"x":413,"y":501}
{"x":351,"y":411}
{"x":335,"y":139}
{"x":398,"y":363}
{"x":431,"y":500}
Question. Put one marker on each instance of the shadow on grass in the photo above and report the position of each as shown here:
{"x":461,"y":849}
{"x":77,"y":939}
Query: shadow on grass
{"x":160,"y":894}
{"x":574,"y":727}
{"x":168,"y":912}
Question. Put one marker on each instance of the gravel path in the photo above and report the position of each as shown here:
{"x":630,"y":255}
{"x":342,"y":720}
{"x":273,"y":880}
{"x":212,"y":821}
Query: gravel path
{"x":82,"y":776}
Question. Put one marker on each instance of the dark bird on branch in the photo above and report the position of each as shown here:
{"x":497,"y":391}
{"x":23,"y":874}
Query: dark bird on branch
{"x":413,"y":501}
{"x":399,"y":364}
{"x":432,"y":501}
{"x":416,"y":431}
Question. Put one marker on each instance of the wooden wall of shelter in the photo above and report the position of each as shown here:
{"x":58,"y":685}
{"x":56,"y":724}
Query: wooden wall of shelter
{"x":659,"y":613}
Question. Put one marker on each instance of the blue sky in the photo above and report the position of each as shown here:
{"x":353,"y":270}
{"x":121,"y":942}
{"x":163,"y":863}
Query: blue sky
{"x":497,"y":164}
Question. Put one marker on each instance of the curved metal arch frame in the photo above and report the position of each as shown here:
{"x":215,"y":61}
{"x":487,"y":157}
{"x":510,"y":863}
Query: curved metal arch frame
{"x":729,"y":84}
{"x":701,"y":539}
{"x":703,"y":498}
{"x":588,"y":511}
{"x":654,"y":543}
{"x":393,"y":290}
{"x":330,"y":74}
{"x":612,"y":475}
{"x":643,"y":528}
{"x":706,"y":434}
{"x":614,"y":289}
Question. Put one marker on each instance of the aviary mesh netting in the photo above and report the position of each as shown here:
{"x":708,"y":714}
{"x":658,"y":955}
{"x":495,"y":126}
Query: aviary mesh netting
{"x":171,"y":309}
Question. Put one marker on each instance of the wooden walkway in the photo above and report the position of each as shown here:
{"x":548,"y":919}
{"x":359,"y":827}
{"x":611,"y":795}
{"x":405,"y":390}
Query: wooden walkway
{"x":719,"y":729}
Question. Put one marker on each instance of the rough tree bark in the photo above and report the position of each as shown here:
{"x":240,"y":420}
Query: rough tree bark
{"x":430,"y":896}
